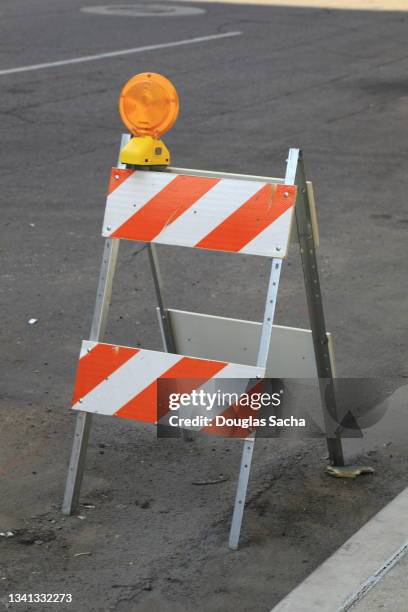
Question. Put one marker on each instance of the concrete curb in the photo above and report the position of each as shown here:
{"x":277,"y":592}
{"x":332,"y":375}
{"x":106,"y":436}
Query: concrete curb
{"x":355,"y":567}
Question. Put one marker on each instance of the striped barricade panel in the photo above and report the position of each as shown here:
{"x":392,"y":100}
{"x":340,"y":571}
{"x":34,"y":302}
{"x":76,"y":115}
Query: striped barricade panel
{"x":230,"y":215}
{"x":122,"y":381}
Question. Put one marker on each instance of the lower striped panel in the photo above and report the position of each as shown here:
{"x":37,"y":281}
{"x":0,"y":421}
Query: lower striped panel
{"x":122,"y":381}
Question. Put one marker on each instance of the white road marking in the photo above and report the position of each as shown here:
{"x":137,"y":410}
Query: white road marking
{"x":109,"y":54}
{"x":348,"y":5}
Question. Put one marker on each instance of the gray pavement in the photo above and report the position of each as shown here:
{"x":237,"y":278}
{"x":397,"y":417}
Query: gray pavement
{"x":331,"y":82}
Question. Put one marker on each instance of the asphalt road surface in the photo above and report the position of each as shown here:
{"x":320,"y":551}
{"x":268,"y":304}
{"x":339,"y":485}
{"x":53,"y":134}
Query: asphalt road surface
{"x":331,"y":82}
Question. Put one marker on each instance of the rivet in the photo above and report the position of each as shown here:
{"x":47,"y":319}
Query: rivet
{"x":108,"y":228}
{"x":278,"y":248}
{"x":286,"y":194}
{"x":116,"y":177}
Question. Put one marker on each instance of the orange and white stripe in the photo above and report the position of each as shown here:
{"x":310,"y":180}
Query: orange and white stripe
{"x":231,"y":215}
{"x":122,"y":381}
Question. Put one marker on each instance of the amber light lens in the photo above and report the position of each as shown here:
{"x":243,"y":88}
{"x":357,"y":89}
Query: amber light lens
{"x":148,"y":104}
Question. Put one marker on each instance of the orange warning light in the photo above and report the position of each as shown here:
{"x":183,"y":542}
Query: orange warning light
{"x":148,"y":104}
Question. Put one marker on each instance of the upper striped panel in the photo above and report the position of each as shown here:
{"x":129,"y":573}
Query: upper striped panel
{"x":230,"y":215}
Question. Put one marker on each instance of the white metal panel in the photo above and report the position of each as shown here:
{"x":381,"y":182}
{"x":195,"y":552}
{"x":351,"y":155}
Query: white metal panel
{"x":208,"y":212}
{"x":234,"y":340}
{"x":272,"y":235}
{"x":106,"y":383}
{"x":231,"y":215}
{"x":127,"y":201}
{"x":264,"y":179}
{"x":126,"y":382}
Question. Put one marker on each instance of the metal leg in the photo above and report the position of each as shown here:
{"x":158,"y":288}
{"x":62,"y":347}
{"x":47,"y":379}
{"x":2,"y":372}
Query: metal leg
{"x":77,"y":462}
{"x":165,"y":324}
{"x":242,"y":487}
{"x":315,"y":307}
{"x":84,"y":419}
{"x":104,"y":291}
{"x":249,"y":444}
{"x":164,"y":316}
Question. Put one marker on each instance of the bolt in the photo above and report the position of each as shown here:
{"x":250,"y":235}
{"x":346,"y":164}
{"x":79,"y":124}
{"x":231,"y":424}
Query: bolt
{"x":116,"y":177}
{"x":108,"y":227}
{"x":278,"y":248}
{"x":286,"y":194}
